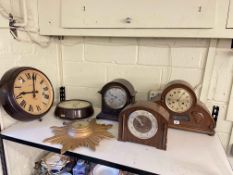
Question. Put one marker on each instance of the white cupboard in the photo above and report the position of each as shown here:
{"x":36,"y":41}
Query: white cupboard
{"x":136,"y":18}
{"x":230,"y":15}
{"x":137,"y":13}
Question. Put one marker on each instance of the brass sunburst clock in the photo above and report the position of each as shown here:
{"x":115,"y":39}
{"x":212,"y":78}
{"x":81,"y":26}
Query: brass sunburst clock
{"x":80,"y":133}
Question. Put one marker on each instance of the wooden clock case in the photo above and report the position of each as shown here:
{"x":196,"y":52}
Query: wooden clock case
{"x":196,"y":119}
{"x":112,"y":114}
{"x":159,"y":140}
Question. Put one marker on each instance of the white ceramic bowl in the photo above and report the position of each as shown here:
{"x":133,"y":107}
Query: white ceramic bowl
{"x":104,"y":170}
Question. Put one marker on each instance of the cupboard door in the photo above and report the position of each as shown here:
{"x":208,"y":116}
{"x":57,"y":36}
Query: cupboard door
{"x":230,"y":16}
{"x":138,"y":13}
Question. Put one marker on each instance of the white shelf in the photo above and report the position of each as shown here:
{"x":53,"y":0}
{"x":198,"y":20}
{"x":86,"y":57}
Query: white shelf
{"x":187,"y":153}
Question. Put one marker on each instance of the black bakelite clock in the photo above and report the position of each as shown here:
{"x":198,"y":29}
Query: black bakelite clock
{"x":116,"y":95}
{"x":26,"y":93}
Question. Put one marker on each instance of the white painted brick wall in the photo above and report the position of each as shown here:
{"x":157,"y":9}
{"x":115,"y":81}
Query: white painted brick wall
{"x":147,"y":63}
{"x":111,"y":50}
{"x":20,"y":159}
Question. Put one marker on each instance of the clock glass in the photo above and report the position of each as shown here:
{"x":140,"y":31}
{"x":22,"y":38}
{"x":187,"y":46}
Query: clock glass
{"x":33,"y":92}
{"x":178,"y":100}
{"x":115,"y":97}
{"x":142,"y":124}
{"x":74,"y":104}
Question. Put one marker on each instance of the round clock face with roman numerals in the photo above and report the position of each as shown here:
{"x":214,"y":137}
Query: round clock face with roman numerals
{"x":33,"y":91}
{"x":26,"y":93}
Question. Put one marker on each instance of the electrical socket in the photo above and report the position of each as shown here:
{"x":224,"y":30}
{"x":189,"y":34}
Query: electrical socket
{"x":152,"y":94}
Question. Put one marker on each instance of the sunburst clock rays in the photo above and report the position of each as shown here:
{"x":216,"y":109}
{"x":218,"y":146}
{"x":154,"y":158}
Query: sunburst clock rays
{"x":77,"y":134}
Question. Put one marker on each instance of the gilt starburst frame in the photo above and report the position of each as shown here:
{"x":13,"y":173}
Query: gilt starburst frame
{"x":77,"y":134}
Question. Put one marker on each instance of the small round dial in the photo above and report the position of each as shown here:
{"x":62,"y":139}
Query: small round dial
{"x":115,"y":97}
{"x":33,"y":92}
{"x":74,"y":104}
{"x":142,"y":124}
{"x":178,"y":100}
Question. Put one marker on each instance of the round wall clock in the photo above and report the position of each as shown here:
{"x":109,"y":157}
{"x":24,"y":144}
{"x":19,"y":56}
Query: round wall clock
{"x":186,"y":111}
{"x":26,"y":93}
{"x":74,"y":109}
{"x":116,"y":95}
{"x":145,"y":123}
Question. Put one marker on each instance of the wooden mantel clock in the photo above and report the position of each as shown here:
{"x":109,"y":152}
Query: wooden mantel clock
{"x":186,"y":111}
{"x":116,"y":95}
{"x":145,"y":123}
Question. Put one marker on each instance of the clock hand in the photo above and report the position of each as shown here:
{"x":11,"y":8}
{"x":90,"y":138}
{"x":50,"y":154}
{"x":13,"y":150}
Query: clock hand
{"x":139,"y":121}
{"x":33,"y":84}
{"x":24,"y":93}
{"x":179,"y":99}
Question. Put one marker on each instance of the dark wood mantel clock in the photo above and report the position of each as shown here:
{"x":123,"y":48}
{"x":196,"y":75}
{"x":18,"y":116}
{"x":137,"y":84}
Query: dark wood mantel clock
{"x":186,"y":111}
{"x":145,"y":123}
{"x":116,"y":95}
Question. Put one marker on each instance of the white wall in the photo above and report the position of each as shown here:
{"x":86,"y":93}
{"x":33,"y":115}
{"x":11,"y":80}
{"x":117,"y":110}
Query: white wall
{"x":88,"y":63}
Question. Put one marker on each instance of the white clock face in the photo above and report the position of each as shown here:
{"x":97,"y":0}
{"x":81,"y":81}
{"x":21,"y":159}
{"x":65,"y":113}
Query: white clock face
{"x":74,"y":104}
{"x":178,"y":100}
{"x":142,"y":124}
{"x":115,"y":97}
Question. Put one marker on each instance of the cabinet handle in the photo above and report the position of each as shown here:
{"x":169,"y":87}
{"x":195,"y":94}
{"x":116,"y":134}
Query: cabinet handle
{"x":128,"y":20}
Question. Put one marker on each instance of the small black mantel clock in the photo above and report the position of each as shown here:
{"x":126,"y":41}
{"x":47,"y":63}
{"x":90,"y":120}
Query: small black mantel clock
{"x":116,"y":95}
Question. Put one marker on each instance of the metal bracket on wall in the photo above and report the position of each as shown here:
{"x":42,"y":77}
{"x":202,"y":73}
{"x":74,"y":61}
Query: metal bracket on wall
{"x":62,"y":93}
{"x":215,"y":113}
{"x":13,"y":29}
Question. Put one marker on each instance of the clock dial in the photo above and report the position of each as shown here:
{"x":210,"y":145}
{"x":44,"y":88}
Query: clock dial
{"x":142,"y":124}
{"x":178,"y":100}
{"x":33,"y":92}
{"x":74,"y":104}
{"x":115,"y":97}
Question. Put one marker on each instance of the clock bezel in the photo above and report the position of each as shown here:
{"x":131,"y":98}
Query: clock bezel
{"x":119,"y":87}
{"x":178,"y":84}
{"x":7,"y":95}
{"x":74,"y":113}
{"x":143,"y":137}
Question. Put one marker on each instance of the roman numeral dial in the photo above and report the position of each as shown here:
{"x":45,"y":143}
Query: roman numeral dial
{"x":33,"y":92}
